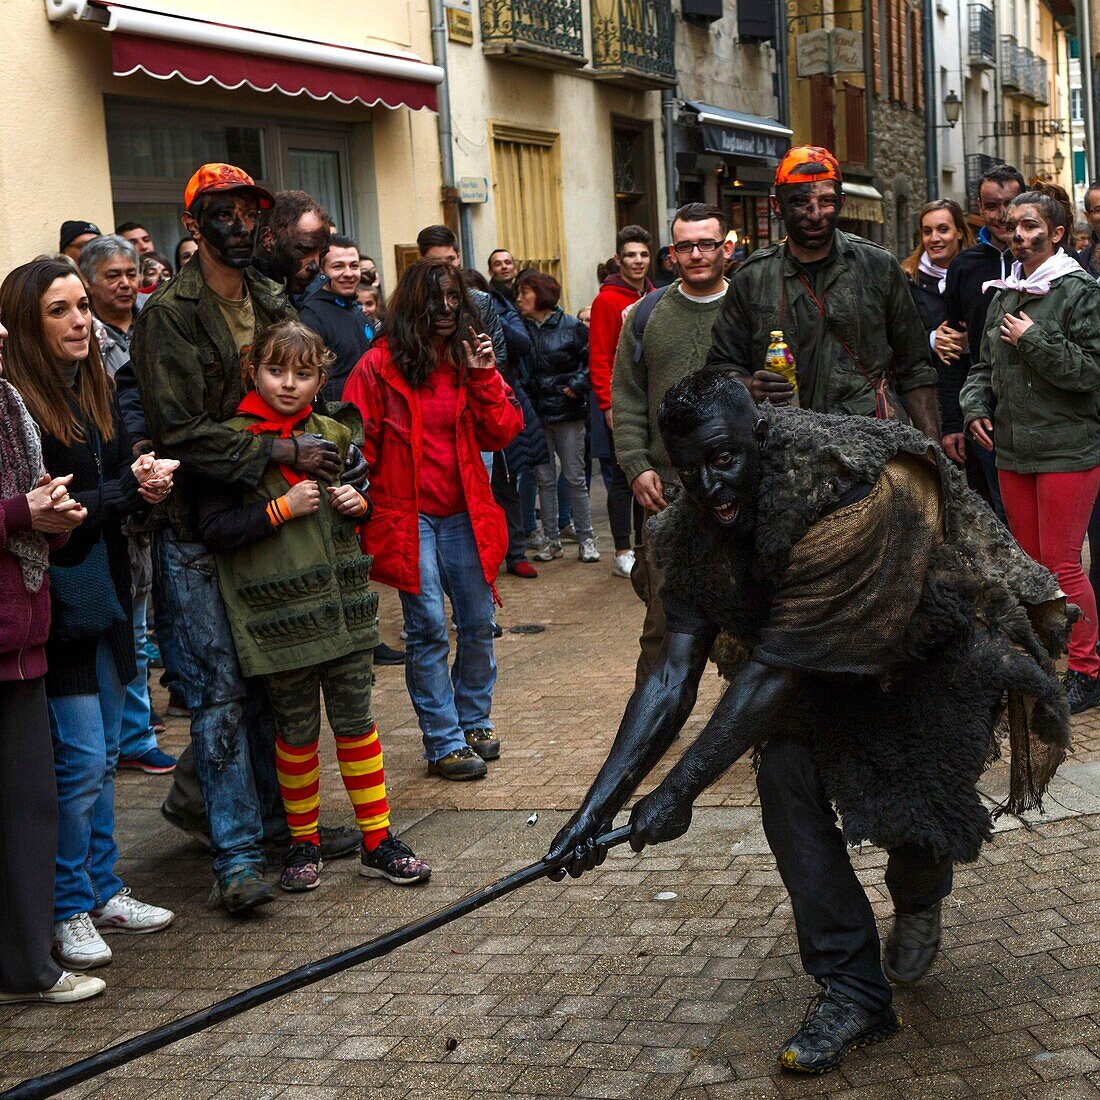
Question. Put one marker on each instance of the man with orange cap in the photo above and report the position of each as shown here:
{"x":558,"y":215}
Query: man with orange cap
{"x":841,"y":302}
{"x":187,"y":351}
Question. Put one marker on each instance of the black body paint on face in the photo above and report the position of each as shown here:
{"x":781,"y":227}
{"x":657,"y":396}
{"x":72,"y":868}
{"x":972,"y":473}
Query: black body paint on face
{"x":719,"y":467}
{"x":810,"y":218}
{"x":228,"y":223}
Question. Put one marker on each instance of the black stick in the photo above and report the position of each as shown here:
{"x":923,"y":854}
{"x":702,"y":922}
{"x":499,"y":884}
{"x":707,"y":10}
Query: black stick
{"x":121,"y":1053}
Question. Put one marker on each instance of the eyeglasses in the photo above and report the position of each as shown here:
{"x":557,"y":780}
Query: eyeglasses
{"x":684,"y":248}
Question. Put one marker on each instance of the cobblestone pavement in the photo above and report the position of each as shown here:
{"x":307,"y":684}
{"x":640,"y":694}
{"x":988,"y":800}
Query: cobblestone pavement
{"x":673,"y":973}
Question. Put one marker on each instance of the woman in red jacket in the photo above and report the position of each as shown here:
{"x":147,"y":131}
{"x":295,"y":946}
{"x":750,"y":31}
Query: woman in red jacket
{"x":432,"y":401}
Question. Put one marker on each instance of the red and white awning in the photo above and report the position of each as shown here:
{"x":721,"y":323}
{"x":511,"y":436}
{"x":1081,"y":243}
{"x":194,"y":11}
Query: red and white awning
{"x":201,"y":51}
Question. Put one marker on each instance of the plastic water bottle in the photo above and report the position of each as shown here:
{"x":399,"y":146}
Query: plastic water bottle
{"x":780,"y":360}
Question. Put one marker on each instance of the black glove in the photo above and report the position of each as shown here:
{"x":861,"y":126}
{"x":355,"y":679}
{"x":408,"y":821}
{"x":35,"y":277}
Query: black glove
{"x":578,"y":839}
{"x":356,"y":470}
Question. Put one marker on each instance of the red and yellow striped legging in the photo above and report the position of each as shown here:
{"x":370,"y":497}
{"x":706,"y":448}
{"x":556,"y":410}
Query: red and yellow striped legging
{"x":295,"y":699}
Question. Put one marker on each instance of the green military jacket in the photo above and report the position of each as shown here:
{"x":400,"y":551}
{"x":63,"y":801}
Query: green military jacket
{"x":1043,"y":394}
{"x":300,"y":597}
{"x":868,"y":307}
{"x":190,"y":379}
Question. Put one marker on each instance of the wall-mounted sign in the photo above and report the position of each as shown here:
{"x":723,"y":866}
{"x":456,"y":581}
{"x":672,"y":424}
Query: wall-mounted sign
{"x":460,"y":26}
{"x":732,"y":141}
{"x":1029,"y":127}
{"x":473,"y":189}
{"x":836,"y":50}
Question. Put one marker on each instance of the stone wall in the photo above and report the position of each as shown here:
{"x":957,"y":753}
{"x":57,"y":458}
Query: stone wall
{"x":714,"y":67}
{"x":899,"y":172}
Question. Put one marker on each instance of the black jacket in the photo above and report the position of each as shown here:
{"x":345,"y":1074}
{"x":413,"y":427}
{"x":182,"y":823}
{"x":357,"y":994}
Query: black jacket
{"x":967,"y":305}
{"x":1084,"y":257}
{"x":515,"y":332}
{"x":72,"y":664}
{"x":558,"y":359}
{"x":932,"y":307}
{"x":346,"y":331}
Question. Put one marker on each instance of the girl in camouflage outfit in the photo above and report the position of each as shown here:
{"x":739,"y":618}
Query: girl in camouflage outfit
{"x":295,"y":585}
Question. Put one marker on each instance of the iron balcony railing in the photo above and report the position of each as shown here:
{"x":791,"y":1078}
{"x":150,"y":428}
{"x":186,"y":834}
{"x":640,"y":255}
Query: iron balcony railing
{"x":548,"y":30}
{"x":633,"y":42}
{"x":1010,"y":63}
{"x":1039,"y":85}
{"x":982,"y":38}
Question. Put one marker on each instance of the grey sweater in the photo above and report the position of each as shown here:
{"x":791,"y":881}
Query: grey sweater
{"x":676,"y":341}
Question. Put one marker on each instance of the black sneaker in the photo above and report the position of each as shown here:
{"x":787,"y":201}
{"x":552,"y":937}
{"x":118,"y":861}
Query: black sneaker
{"x":387,"y":655}
{"x":912,"y":944}
{"x":461,"y":764}
{"x":834,"y":1025}
{"x":336,"y":842}
{"x":484,"y":742}
{"x":1082,"y":690}
{"x":301,"y":869}
{"x":394,"y":860}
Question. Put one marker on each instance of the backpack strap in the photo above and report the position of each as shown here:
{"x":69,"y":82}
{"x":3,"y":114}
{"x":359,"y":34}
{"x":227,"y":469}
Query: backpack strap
{"x":640,"y":316}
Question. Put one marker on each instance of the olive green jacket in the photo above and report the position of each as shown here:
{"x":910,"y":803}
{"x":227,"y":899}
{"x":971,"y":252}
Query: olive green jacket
{"x":1043,"y":394}
{"x":301,"y":596}
{"x":868,"y":306}
{"x":189,"y":376}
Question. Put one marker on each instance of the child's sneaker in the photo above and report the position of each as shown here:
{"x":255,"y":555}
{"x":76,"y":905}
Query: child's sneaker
{"x":301,"y":869}
{"x":394,"y":860}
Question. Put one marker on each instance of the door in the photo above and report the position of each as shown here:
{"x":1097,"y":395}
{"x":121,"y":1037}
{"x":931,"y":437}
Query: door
{"x":316,"y":161}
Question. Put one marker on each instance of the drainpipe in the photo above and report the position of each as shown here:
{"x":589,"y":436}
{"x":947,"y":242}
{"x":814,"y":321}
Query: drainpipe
{"x":1084,"y":52}
{"x":869,"y":82}
{"x":931,"y":133}
{"x":668,"y":120}
{"x":446,"y":148}
{"x":782,"y":88}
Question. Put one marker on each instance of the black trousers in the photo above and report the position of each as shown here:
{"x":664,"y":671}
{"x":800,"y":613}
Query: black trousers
{"x":506,"y":494}
{"x":837,"y":938}
{"x":28,"y":839}
{"x":620,"y":502}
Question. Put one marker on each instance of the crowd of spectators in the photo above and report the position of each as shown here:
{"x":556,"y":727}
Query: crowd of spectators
{"x":201,"y":455}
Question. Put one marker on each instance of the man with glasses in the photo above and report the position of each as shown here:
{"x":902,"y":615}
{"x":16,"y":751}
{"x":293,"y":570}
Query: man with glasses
{"x":842,"y":302}
{"x":664,"y":337}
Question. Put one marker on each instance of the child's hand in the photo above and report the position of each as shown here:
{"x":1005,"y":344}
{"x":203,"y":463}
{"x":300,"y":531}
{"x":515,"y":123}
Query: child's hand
{"x":347,"y":500}
{"x":304,"y":498}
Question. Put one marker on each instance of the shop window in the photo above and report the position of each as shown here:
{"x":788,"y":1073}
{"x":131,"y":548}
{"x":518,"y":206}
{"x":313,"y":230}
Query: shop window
{"x":526,"y":166}
{"x":153,"y":151}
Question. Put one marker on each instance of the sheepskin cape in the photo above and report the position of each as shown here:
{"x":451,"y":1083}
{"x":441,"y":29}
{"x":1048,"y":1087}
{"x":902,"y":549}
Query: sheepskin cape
{"x":900,"y":751}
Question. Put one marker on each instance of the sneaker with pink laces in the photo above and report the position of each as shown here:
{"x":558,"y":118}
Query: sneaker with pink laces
{"x":124,"y":913}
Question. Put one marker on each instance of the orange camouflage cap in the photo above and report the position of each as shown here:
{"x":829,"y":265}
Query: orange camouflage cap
{"x":807,"y":164}
{"x":224,"y":177}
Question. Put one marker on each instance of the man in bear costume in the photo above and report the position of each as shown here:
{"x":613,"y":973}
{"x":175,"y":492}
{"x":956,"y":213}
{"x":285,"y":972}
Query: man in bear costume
{"x":875,"y":623}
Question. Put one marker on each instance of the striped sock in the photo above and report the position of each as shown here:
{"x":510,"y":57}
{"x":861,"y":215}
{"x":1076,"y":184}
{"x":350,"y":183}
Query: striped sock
{"x":360,"y":761}
{"x":299,"y":772}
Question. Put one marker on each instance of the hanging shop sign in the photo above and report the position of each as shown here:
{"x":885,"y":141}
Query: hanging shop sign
{"x":829,"y":51}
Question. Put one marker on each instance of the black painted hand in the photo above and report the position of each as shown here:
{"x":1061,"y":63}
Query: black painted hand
{"x":661,"y":816}
{"x":578,"y":840}
{"x":317,"y":457}
{"x":356,"y":469}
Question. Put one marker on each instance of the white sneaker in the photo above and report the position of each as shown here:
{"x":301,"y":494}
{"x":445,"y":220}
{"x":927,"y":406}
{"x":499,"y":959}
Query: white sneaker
{"x":588,"y":551}
{"x":126,"y":914}
{"x":548,"y":551}
{"x":68,"y":988}
{"x":534,"y":540}
{"x":624,"y":563}
{"x":76,"y":943}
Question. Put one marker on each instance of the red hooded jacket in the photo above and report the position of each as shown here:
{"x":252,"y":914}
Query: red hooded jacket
{"x":489,"y":418}
{"x":604,"y":326}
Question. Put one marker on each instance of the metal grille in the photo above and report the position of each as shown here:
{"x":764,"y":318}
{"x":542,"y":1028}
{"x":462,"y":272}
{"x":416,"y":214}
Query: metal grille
{"x":554,"y":26}
{"x":982,"y":38}
{"x":634,"y":38}
{"x":1010,"y":62}
{"x":977,"y":164}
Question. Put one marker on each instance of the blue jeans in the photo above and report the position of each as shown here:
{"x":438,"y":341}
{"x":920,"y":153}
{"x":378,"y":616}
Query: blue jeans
{"x":85,"y":732}
{"x":528,"y":488}
{"x":138,"y":735}
{"x":449,"y":703}
{"x":987,"y":460}
{"x":230,"y":726}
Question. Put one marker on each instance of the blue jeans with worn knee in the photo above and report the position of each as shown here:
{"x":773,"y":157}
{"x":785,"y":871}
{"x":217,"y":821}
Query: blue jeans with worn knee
{"x":449,"y":702}
{"x":224,"y":720}
{"x":85,"y":732}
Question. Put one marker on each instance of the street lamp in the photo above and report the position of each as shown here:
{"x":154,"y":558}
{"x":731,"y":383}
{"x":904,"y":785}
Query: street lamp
{"x":1059,"y":161}
{"x":952,"y":108}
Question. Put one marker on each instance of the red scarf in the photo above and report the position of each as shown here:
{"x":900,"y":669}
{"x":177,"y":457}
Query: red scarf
{"x":272,"y":421}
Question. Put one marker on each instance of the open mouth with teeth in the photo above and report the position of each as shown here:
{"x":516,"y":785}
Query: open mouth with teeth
{"x":726,"y":513}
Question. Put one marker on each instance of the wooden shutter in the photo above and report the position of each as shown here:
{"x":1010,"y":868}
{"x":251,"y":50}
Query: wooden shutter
{"x":896,"y":46}
{"x":855,"y":124}
{"x":527,"y":194}
{"x":822,"y":107}
{"x":877,"y":31}
{"x":917,"y":38}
